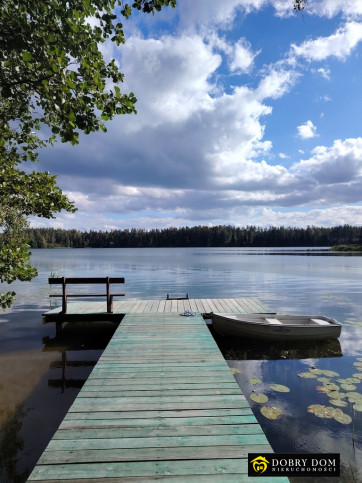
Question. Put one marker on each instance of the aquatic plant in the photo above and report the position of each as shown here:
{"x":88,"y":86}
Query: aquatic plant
{"x":254,"y":380}
{"x":259,"y":398}
{"x":279,"y":388}
{"x":271,"y":412}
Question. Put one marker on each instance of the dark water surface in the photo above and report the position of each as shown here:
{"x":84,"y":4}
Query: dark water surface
{"x":40,"y":374}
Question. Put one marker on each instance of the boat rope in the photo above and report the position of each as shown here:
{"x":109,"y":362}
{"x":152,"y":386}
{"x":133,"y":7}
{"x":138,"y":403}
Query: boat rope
{"x":188,"y":313}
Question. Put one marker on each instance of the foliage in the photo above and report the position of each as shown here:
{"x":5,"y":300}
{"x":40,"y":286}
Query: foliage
{"x":197,"y":236}
{"x":299,"y":4}
{"x":53,"y":72}
{"x":14,"y":255}
{"x":54,"y":84}
{"x":347,"y":248}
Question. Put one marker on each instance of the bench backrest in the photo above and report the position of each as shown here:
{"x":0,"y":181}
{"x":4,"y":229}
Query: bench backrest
{"x":79,"y":280}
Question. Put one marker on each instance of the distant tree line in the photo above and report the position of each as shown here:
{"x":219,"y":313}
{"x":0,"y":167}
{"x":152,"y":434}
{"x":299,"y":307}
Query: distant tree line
{"x":197,"y":236}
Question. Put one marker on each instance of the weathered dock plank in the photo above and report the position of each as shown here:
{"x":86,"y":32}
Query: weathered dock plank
{"x":79,"y":310}
{"x":161,"y":403}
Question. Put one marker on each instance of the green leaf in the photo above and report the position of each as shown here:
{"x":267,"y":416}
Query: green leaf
{"x":338,"y":402}
{"x":271,"y":412}
{"x":343,"y":418}
{"x":259,"y":398}
{"x":279,"y":388}
{"x":254,"y":380}
{"x":307,"y":375}
{"x":348,"y":387}
{"x":27,"y":56}
{"x":233,"y":370}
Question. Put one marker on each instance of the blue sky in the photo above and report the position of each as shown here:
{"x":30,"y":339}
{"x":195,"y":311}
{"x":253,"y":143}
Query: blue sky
{"x":248,"y":113}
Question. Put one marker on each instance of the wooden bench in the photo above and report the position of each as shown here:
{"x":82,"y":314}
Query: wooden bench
{"x":107,"y":281}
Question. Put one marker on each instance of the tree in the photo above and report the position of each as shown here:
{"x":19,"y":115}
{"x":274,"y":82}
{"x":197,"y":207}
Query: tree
{"x":299,"y":4}
{"x":54,"y":84}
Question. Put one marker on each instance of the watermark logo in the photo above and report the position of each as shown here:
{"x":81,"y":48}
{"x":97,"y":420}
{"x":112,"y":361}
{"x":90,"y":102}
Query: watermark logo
{"x":273,"y":464}
{"x":260,"y":464}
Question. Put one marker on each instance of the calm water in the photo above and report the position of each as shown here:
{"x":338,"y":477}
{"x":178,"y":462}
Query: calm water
{"x":40,"y":375}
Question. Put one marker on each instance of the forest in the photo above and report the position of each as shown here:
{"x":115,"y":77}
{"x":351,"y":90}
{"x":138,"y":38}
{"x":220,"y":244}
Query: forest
{"x":197,"y":236}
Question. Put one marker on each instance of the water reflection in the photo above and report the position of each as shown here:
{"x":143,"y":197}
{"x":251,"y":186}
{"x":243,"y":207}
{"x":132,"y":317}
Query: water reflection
{"x":37,"y":387}
{"x":11,"y":442}
{"x":297,"y":430}
{"x":249,"y":349}
{"x":72,"y":338}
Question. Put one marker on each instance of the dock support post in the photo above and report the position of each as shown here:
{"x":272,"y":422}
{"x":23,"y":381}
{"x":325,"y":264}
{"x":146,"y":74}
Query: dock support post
{"x":58,"y":328}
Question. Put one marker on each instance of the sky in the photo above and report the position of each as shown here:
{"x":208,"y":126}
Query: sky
{"x":249,"y":113}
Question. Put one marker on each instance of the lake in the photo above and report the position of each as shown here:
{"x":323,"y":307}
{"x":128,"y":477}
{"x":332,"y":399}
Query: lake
{"x":41,"y":374}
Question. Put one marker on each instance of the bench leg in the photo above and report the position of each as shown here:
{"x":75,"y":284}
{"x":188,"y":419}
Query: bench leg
{"x":109,"y":304}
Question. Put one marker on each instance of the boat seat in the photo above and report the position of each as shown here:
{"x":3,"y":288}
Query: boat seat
{"x":320,"y":322}
{"x":273,"y":321}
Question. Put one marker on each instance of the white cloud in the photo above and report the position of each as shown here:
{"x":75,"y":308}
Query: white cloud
{"x":350,"y":9}
{"x":276,"y":83}
{"x":339,"y":215}
{"x":242,"y":56}
{"x":197,"y":152}
{"x":324,"y":72}
{"x":307,"y":130}
{"x":331,"y":8}
{"x":341,"y":163}
{"x":325,"y":98}
{"x":206,"y":14}
{"x":340,"y":44}
{"x":170,"y":76}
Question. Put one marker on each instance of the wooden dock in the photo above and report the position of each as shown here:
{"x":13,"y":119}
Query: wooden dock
{"x":161,"y":404}
{"x":90,"y":310}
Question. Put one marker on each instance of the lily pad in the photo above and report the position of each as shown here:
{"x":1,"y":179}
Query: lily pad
{"x":323,"y":389}
{"x":331,"y":386}
{"x":358,"y":407}
{"x":279,"y":388}
{"x":317,"y":372}
{"x":307,"y":375}
{"x":254,"y":380}
{"x":353,"y":380}
{"x":343,"y":418}
{"x":323,"y":379}
{"x":336,"y":395}
{"x":338,"y":402}
{"x":348,"y":387}
{"x":354,"y":394}
{"x":358,"y":364}
{"x":327,"y":412}
{"x":329,"y":373}
{"x":358,"y":375}
{"x":259,"y":398}
{"x":271,"y":412}
{"x":330,"y":412}
{"x":235,"y":371}
{"x":314,"y":407}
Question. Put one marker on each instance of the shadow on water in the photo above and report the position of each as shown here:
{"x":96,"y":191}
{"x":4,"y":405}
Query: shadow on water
{"x":38,"y":386}
{"x":253,"y":349}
